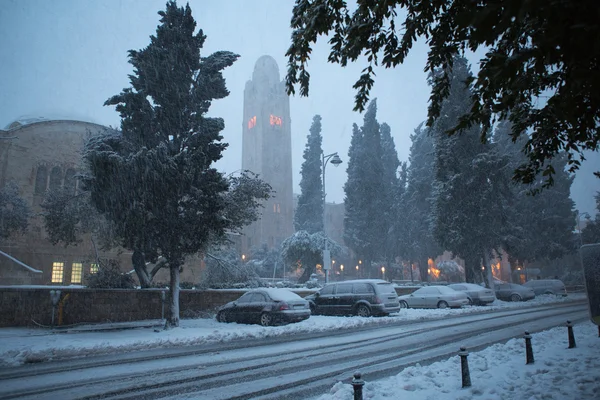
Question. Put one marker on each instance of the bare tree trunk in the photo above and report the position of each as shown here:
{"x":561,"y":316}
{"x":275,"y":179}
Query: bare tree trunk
{"x":139,"y":265}
{"x":471,"y":266}
{"x":173,"y":320}
{"x":488,"y":268}
{"x":423,"y":267}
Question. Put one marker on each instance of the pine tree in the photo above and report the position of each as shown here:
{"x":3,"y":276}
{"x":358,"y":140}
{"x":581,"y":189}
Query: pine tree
{"x":309,"y":212}
{"x":591,"y":233}
{"x":154,"y":180}
{"x":541,"y":223}
{"x":469,"y":193}
{"x":417,"y":242}
{"x":391,"y":189}
{"x":363,"y":201}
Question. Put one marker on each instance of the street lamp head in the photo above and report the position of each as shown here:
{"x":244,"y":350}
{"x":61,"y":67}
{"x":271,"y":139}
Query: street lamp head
{"x":336,"y":160}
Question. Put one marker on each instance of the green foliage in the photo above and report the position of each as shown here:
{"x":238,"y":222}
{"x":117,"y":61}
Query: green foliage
{"x":307,"y":250}
{"x":540,"y":226}
{"x":416,"y":241}
{"x":309,"y":212}
{"x":540,"y":67}
{"x":225,"y":270}
{"x":591,"y":233}
{"x":109,"y":276}
{"x":14,"y":211}
{"x":155,"y":180}
{"x":367,"y":188}
{"x":69,"y":216}
{"x":470,"y":193}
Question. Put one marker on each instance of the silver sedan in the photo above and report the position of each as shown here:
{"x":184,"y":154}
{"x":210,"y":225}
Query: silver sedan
{"x":434,"y":297}
{"x":477,"y":294}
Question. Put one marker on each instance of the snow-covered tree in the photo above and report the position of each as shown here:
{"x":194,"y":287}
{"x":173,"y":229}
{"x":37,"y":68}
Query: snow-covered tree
{"x":591,"y":233}
{"x":307,"y":249}
{"x":154,"y":180}
{"x":265,"y":261}
{"x":390,"y":191}
{"x":364,"y":191}
{"x":69,"y":216}
{"x":309,"y":212}
{"x":225,"y":269}
{"x":416,"y":243}
{"x":541,"y":223}
{"x":14,"y":211}
{"x":470,"y":192}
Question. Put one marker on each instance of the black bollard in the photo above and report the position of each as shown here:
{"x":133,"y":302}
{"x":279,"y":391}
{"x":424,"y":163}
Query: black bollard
{"x":357,"y":384}
{"x":571,"y":335}
{"x":464,"y":367}
{"x":528,"y":349}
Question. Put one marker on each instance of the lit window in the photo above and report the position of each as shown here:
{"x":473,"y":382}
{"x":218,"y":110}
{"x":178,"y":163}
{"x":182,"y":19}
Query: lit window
{"x":57,"y":272}
{"x":273,"y":120}
{"x":252,"y":122}
{"x":76,"y":270}
{"x":276,"y":208}
{"x":94,"y":269}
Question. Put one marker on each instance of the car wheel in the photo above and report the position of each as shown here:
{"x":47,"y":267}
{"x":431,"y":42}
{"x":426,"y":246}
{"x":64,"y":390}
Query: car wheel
{"x":403,"y":304}
{"x":549,"y":292}
{"x":470,"y":301}
{"x":363,"y":311}
{"x":313,"y":309}
{"x":222,"y":317}
{"x":515,"y":297}
{"x":266,"y":319}
{"x":442,"y":304}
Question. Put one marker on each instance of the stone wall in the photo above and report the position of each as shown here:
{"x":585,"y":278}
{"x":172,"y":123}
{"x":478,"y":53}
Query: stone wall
{"x":33,"y":306}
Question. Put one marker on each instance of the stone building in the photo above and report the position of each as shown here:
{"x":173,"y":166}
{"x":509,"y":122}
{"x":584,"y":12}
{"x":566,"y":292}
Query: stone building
{"x":41,"y":155}
{"x":267,"y":151}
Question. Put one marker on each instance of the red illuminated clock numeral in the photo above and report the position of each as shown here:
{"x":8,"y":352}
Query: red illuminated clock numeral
{"x":273,"y":120}
{"x":252,"y":122}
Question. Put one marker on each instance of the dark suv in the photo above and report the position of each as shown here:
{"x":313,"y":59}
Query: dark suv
{"x":363,"y":297}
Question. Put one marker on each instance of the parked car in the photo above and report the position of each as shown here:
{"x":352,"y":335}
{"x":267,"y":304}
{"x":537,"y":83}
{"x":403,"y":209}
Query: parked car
{"x":434,"y":297}
{"x":266,"y":307}
{"x":513,"y":292}
{"x":363,"y":297}
{"x":476,"y":294}
{"x":547,"y":286}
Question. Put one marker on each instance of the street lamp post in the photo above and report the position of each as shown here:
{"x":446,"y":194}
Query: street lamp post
{"x":335,"y":160}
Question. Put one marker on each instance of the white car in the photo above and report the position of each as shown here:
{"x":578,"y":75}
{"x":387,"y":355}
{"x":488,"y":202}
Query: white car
{"x":434,"y":297}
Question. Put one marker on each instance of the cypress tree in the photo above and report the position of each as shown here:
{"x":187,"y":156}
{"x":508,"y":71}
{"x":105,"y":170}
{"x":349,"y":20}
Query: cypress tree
{"x":309,"y":212}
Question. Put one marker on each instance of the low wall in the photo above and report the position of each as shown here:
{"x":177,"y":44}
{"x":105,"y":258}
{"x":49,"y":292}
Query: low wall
{"x":33,"y":306}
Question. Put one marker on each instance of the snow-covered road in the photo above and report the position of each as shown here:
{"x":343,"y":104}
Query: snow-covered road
{"x":298,"y":364}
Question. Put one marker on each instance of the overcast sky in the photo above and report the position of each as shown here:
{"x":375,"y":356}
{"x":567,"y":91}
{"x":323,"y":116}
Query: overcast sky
{"x":64,"y":58}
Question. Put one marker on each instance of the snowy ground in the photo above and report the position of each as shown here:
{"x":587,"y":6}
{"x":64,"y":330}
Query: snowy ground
{"x":498,"y":372}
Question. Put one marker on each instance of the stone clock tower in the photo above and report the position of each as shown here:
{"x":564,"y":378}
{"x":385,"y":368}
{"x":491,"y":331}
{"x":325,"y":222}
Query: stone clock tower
{"x":267,"y":151}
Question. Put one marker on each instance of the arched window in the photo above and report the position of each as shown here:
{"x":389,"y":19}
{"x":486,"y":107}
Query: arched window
{"x":41,"y":177}
{"x":70,"y":180}
{"x":55,"y":178}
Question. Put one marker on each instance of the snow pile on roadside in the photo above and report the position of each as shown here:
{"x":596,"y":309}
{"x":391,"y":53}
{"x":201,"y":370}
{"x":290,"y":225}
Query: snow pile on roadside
{"x":23,"y":345}
{"x":499,"y":372}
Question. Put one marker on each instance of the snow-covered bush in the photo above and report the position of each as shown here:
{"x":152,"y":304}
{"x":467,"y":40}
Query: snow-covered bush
{"x":110,"y":276}
{"x":224,"y":270}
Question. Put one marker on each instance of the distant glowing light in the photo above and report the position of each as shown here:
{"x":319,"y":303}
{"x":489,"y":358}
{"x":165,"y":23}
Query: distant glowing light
{"x":252,"y":122}
{"x":273,"y":120}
